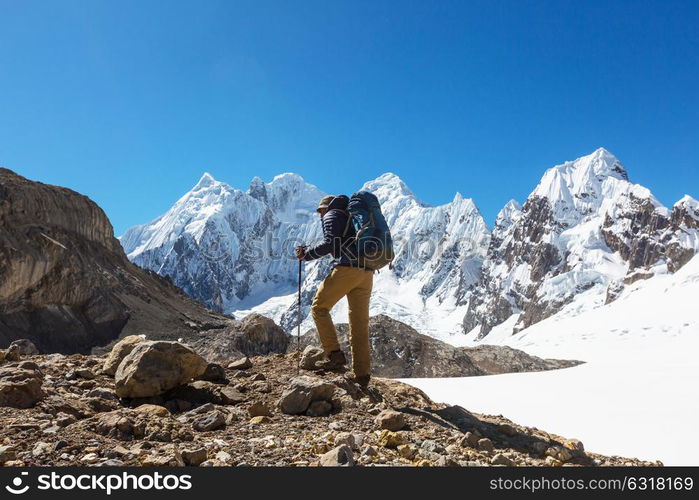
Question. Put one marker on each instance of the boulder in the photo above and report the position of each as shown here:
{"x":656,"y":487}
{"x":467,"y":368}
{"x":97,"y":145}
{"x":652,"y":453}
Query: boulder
{"x":310,"y":356}
{"x":26,"y":347}
{"x":302,"y":391}
{"x":20,"y":388}
{"x":338,"y":457}
{"x":120,"y":350}
{"x":153,"y":368}
{"x":391,"y":420}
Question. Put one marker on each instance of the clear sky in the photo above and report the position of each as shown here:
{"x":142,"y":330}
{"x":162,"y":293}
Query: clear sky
{"x":130,"y":102}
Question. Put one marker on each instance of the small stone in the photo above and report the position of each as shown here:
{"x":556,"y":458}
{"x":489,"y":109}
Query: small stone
{"x":391,"y":420}
{"x":485,"y":444}
{"x":209,"y":422}
{"x":432,"y":447}
{"x":338,"y":457}
{"x":319,"y":409}
{"x":194,"y":457}
{"x":224,"y":457}
{"x":390,"y":439}
{"x":240,"y":364}
{"x":230,"y":396}
{"x":258,"y":377}
{"x":445,"y":461}
{"x":407,"y":451}
{"x":59,"y":445}
{"x":500,"y":459}
{"x":85,"y":373}
{"x":345,"y":438}
{"x":152,"y":411}
{"x":259,"y":409}
{"x":102,"y":393}
{"x":213,"y":373}
{"x":310,"y":356}
{"x":41,"y":448}
{"x":469,"y":440}
{"x":90,"y":458}
{"x":370,"y":451}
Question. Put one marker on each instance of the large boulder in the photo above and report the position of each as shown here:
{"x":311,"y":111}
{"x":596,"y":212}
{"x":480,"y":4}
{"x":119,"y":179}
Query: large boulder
{"x":120,"y":350}
{"x":153,"y":368}
{"x":303,"y":391}
{"x":20,"y":387}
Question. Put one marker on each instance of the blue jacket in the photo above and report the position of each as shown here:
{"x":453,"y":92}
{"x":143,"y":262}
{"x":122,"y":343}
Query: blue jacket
{"x":338,"y":235}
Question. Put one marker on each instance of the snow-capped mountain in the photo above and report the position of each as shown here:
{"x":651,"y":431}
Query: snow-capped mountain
{"x":222,"y":245}
{"x":232,"y":250}
{"x":584,"y":233}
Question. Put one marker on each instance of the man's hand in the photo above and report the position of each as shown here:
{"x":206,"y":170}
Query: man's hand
{"x":300,"y":252}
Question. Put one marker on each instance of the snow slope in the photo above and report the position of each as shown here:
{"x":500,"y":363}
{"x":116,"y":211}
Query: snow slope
{"x":636,"y":393}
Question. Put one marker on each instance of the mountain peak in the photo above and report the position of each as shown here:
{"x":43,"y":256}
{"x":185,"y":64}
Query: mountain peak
{"x":388,"y":185}
{"x":206,"y":180}
{"x":257,"y":189}
{"x":581,"y":177}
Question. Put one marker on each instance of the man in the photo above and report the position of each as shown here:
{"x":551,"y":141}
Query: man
{"x":346,"y":279}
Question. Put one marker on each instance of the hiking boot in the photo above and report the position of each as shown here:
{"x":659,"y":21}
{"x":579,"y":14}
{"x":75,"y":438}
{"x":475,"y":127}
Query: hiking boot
{"x":361,"y":380}
{"x":334,"y":361}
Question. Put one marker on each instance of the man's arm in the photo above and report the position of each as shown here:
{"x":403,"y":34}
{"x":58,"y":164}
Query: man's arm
{"x":333,"y":226}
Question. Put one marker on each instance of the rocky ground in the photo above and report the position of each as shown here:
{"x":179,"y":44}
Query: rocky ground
{"x":90,"y":410}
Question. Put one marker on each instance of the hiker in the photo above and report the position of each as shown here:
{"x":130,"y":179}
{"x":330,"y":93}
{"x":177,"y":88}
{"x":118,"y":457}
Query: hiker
{"x":348,"y":279}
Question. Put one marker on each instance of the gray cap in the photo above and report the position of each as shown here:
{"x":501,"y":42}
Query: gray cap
{"x":324,"y":202}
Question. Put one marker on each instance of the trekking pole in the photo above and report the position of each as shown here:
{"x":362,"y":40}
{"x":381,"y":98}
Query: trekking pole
{"x":298,"y":326}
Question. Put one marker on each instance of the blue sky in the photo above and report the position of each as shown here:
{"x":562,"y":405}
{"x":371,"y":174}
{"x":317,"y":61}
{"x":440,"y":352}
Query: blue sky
{"x":130,"y":102}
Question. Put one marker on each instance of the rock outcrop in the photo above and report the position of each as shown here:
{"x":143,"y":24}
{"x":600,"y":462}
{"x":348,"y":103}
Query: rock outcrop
{"x":399,"y":351}
{"x":65,"y":282}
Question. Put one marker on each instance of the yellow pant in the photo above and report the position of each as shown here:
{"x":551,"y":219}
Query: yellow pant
{"x":356,"y":284}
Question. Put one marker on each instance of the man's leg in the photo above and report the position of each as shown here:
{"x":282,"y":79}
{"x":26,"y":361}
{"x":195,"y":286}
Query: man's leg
{"x":358,"y":299}
{"x":338,"y":283}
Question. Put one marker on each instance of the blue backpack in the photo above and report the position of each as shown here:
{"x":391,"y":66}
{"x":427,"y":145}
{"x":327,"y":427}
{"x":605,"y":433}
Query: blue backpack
{"x":374,"y":243}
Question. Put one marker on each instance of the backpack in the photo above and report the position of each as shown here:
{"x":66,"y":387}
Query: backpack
{"x":374,"y":243}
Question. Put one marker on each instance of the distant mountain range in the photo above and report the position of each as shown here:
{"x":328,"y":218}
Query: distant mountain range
{"x":583,"y":234}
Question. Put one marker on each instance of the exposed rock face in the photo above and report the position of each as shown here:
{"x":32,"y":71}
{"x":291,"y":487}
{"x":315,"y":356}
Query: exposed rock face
{"x":585,"y":229}
{"x":153,"y":368}
{"x":65,"y":282}
{"x":398,"y":351}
